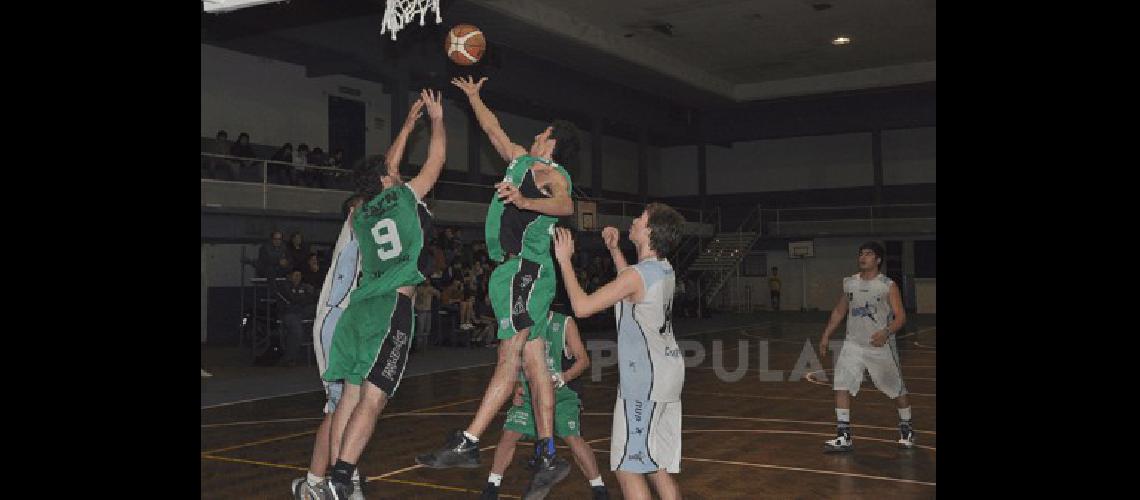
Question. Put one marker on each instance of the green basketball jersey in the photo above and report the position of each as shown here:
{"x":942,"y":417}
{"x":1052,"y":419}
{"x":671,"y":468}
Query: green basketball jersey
{"x":520,"y":232}
{"x":390,"y":228}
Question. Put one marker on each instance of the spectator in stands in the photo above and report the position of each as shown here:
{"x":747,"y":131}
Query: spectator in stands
{"x":219,"y":168}
{"x":451,"y":297}
{"x":467,"y":306}
{"x":314,"y":272}
{"x":336,"y":159}
{"x":300,"y":161}
{"x":486,"y":325}
{"x":278,"y":173}
{"x":424,"y":294}
{"x":272,"y":258}
{"x":438,"y":259}
{"x":299,"y":303}
{"x":297,"y":251}
{"x":243,"y":149}
{"x":317,"y":157}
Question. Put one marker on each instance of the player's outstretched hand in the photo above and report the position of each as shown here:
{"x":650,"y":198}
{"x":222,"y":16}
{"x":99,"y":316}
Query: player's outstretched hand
{"x":468,"y":85}
{"x":414,"y":113}
{"x":433,"y":101}
{"x":611,"y":236}
{"x":563,"y":244}
{"x":823,"y":348}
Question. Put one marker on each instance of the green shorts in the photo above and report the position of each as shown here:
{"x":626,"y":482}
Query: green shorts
{"x":521,"y":291}
{"x":371,"y":342}
{"x":567,"y":407}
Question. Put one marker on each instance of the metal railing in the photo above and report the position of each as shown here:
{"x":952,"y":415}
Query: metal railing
{"x":268,"y":173}
{"x":777,"y":221}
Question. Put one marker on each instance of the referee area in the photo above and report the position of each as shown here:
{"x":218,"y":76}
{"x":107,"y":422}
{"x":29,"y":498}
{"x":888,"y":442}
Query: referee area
{"x":735,"y":425}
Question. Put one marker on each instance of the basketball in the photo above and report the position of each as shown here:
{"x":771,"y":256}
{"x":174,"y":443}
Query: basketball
{"x":465,"y":44}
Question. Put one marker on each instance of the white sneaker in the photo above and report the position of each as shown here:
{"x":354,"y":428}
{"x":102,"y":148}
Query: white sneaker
{"x":906,"y":437}
{"x":841,"y":443}
{"x":302,"y":490}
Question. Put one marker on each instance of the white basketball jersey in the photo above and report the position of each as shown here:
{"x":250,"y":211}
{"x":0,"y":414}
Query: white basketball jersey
{"x":649,"y":362}
{"x":868,"y":307}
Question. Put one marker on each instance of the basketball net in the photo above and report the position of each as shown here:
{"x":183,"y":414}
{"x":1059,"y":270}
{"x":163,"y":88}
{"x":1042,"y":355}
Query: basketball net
{"x":399,"y":13}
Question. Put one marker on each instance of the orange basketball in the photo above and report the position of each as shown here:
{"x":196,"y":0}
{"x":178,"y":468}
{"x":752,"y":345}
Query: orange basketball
{"x":465,"y":44}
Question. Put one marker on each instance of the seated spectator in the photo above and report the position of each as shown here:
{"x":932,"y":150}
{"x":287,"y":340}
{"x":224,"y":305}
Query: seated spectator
{"x":486,"y":326}
{"x":299,"y":303}
{"x":243,"y":149}
{"x":336,"y":159}
{"x":297,"y":251}
{"x":314,"y":272}
{"x":467,"y":306}
{"x":439,"y":263}
{"x":300,"y":161}
{"x":278,"y":173}
{"x":451,"y":298}
{"x":317,"y":157}
{"x":272,"y":258}
{"x":219,"y":168}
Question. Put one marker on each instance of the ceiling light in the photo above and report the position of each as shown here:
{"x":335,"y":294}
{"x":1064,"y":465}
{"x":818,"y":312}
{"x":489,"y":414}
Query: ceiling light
{"x":841,"y":40}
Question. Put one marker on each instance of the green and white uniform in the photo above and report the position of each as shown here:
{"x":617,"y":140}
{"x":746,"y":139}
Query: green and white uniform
{"x":522,"y":287}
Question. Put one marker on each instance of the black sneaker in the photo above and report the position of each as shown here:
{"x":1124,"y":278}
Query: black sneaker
{"x":600,"y":493}
{"x":490,"y":492}
{"x":549,"y":470}
{"x":457,"y":452}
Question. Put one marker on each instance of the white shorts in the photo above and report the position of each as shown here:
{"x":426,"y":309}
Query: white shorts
{"x":881,"y":362}
{"x":646,"y":436}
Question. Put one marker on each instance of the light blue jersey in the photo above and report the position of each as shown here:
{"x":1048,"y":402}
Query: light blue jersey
{"x":649,"y":362}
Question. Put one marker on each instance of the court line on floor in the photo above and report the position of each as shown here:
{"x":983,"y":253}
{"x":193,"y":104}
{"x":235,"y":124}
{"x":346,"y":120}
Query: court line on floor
{"x":836,"y":473}
{"x":381,"y":417}
{"x":810,"y":378}
{"x":301,"y":419}
{"x":785,"y":371}
{"x":434,"y":372}
{"x":781,"y":431}
{"x":714,"y":417}
{"x":255,"y":422}
{"x":305,"y":469}
{"x":260,"y":441}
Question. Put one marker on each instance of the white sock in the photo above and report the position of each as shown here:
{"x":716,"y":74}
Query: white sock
{"x":843,"y":415}
{"x":469,"y":436}
{"x":313,"y":480}
{"x":904,"y":414}
{"x":495,"y":479}
{"x":356,"y":474}
{"x":597,"y":481}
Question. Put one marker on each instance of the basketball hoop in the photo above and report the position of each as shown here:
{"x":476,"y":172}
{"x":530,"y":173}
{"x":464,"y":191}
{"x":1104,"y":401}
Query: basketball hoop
{"x":398,"y":13}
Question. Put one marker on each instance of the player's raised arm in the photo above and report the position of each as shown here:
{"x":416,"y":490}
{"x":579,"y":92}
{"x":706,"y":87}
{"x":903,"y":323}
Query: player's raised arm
{"x":395,"y":151}
{"x":611,"y":236}
{"x":437,"y":149}
{"x":507,"y":149}
{"x":627,"y":284}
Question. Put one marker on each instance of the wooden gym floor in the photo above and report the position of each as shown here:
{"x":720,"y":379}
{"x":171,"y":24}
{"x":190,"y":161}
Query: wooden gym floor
{"x":742,"y":439}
